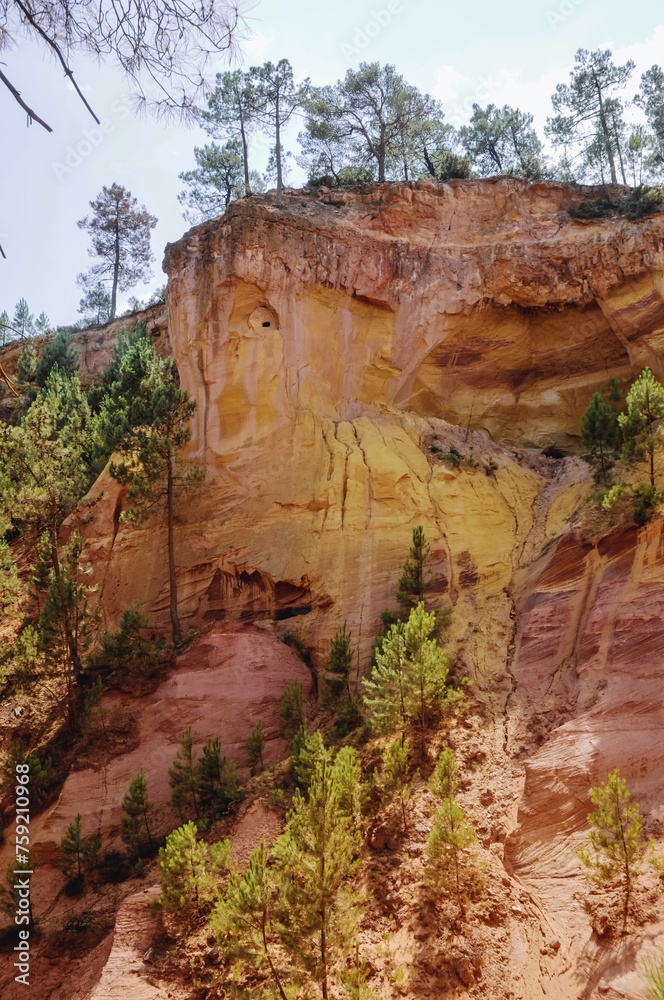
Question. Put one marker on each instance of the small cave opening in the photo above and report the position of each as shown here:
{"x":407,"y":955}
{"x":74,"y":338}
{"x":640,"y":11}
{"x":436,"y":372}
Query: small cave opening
{"x":267,"y":323}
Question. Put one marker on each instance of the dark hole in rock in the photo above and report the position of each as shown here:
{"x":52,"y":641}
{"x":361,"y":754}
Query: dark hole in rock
{"x":292,"y":613}
{"x":267,"y":323}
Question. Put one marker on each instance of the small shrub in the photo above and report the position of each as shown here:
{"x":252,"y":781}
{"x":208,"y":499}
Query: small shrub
{"x":126,"y":658}
{"x":454,"y":457}
{"x":291,"y":713}
{"x":277,"y":796}
{"x":490,"y":466}
{"x":647,"y":500}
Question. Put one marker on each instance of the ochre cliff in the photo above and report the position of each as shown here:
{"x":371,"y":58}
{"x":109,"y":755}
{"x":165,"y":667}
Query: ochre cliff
{"x":337,"y":348}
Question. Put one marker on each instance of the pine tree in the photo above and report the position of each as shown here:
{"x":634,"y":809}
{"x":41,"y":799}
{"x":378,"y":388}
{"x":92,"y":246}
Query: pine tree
{"x":95,"y":306}
{"x":59,"y":353}
{"x":426,"y":669}
{"x":600,"y":430}
{"x":216,"y":780}
{"x":408,"y":681}
{"x":503,"y":141}
{"x":617,"y":847}
{"x":255,"y":748}
{"x":339,"y":666}
{"x":146,"y":418}
{"x":307,"y":749}
{"x":415,"y":579}
{"x":44,"y":470}
{"x":337,"y":692}
{"x":641,"y":422}
{"x":183,"y":777}
{"x":93,"y":710}
{"x":190,"y":871}
{"x":590,"y":115}
{"x":139,"y":813}
{"x":63,"y":631}
{"x":27,"y":364}
{"x":277,"y":99}
{"x":397,"y":780}
{"x":451,"y":864}
{"x":447,"y":865}
{"x":291,"y":713}
{"x":352,"y":791}
{"x":23,"y":321}
{"x":42,"y":325}
{"x":214,"y":183}
{"x":386,"y":688}
{"x":78,"y":853}
{"x":232,"y":114}
{"x":6,"y":330}
{"x":243,"y":923}
{"x":120,"y":233}
{"x":315,"y":858}
{"x":444,"y":781}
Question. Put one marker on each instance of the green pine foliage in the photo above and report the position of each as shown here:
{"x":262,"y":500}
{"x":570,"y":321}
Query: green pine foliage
{"x":243,"y":921}
{"x":337,"y":692}
{"x":452,"y":864}
{"x":600,"y":430}
{"x":415,"y":579}
{"x":183,"y":777}
{"x":398,"y":779}
{"x":27,"y":366}
{"x":291,"y":712}
{"x":63,"y":632}
{"x":126,"y":657}
{"x":641,"y":422}
{"x":616,"y":848}
{"x":59,"y":353}
{"x":426,"y":670}
{"x":315,"y":858}
{"x":216,"y":780}
{"x":191,"y":871}
{"x":78,"y":854}
{"x":255,"y":748}
{"x":386,"y":688}
{"x":408,"y":682}
{"x":137,"y":823}
{"x":306,"y":750}
{"x":145,"y":418}
{"x":94,"y":713}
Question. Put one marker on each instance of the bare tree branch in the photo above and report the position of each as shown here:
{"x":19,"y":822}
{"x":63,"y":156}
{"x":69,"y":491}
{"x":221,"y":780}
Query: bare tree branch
{"x":49,"y":41}
{"x":31,"y":114}
{"x":8,"y":382}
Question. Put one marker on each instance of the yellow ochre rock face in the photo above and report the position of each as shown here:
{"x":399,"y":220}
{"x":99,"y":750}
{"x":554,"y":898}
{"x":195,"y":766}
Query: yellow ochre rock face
{"x":332,"y":346}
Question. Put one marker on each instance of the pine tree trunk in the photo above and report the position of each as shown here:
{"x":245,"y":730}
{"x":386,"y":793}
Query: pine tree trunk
{"x":277,"y":126}
{"x":245,"y":156}
{"x":607,"y":135}
{"x":116,"y":270}
{"x":175,"y":621}
{"x":269,"y":959}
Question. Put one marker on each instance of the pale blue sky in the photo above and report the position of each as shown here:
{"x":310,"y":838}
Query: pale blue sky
{"x":504,"y":53}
